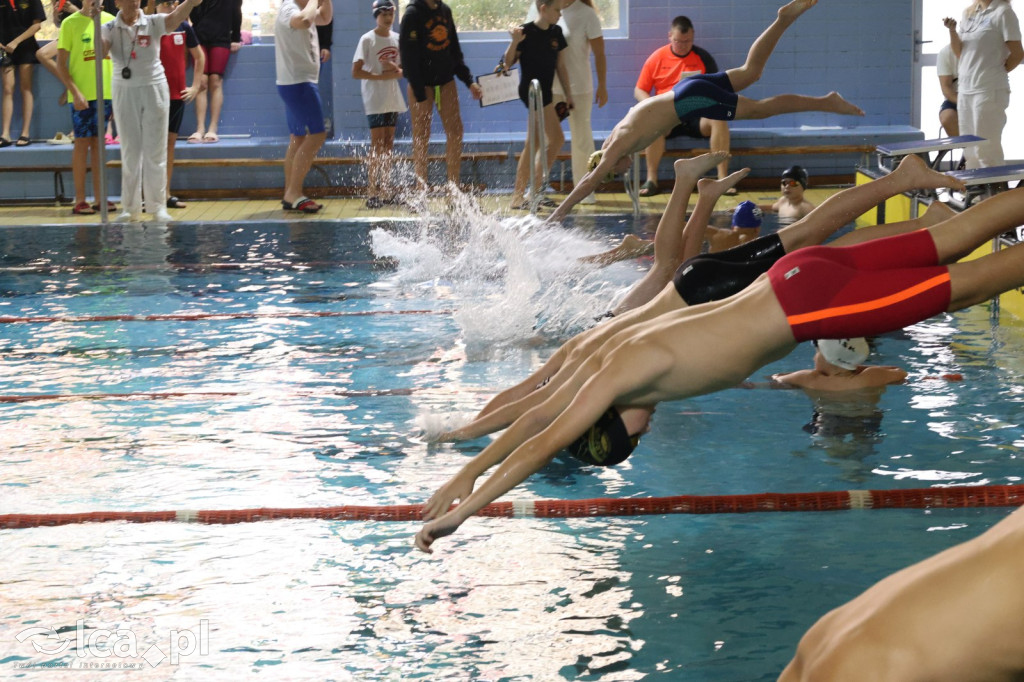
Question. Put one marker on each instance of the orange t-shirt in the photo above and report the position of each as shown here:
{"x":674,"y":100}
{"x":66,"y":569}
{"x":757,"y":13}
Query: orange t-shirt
{"x":663,"y":69}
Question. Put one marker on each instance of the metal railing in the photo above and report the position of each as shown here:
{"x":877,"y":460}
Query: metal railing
{"x":538,"y":144}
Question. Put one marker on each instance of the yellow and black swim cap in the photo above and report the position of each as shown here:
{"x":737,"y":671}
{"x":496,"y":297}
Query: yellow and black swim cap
{"x":606,"y":443}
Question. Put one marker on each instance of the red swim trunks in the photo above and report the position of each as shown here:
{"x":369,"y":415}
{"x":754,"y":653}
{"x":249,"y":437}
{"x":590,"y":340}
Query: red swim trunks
{"x":861,"y":290}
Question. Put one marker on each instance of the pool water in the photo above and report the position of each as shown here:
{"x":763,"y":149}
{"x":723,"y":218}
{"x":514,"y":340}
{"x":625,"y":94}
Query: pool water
{"x":323,"y":411}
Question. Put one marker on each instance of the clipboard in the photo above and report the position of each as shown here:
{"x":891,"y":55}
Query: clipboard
{"x":499,"y":87}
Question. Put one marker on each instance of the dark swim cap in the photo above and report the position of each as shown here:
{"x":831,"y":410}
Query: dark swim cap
{"x":382,"y":6}
{"x":796,"y":173}
{"x":606,"y":443}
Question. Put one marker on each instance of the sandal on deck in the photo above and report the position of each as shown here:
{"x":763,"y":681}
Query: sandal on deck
{"x":649,"y":189}
{"x":304,"y":204}
{"x":83,"y":208}
{"x":4,"y":142}
{"x":731,"y":192}
{"x":195,"y":138}
{"x":23,"y":141}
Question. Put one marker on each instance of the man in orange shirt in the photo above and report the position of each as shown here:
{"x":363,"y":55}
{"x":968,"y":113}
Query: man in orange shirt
{"x":663,"y":69}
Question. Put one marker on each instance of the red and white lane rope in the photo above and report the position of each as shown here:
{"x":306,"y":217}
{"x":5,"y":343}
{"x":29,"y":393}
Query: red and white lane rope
{"x":187,"y":317}
{"x":919,"y":498}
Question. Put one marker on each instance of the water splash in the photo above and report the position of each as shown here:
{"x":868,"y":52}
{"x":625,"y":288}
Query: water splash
{"x":508,"y":278}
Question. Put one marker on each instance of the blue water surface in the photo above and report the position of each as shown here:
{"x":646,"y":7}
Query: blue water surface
{"x":321,"y":411}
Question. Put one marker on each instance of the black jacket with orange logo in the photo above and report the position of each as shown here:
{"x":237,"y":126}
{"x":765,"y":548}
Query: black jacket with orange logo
{"x":429,"y":47}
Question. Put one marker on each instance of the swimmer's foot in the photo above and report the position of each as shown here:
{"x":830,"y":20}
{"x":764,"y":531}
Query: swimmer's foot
{"x":713,"y":189}
{"x":692,"y":170}
{"x":836,"y":103}
{"x":791,"y":11}
{"x":917,"y":175}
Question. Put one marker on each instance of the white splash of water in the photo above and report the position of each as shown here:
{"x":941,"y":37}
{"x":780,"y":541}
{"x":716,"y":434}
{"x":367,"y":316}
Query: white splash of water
{"x":508,"y":278}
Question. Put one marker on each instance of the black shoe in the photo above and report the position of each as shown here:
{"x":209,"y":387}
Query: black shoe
{"x":174,"y":202}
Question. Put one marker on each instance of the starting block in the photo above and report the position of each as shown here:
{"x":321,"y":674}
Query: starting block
{"x":981,"y":181}
{"x":890,"y":154}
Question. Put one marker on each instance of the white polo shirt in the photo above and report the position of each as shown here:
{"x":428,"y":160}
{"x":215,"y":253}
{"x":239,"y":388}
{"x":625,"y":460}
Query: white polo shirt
{"x":143,"y":38}
{"x":982,"y":58}
{"x":296,"y":51}
{"x":946,"y":64}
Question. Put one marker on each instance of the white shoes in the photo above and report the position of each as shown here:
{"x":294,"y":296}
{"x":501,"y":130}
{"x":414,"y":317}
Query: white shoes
{"x":589,"y":199}
{"x":162,"y":216}
{"x":61,"y":138}
{"x":128,"y":217}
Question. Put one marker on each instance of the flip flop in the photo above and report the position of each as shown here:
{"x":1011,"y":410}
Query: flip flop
{"x":210,"y":138}
{"x":83,"y":208}
{"x":303,"y":204}
{"x":649,"y":189}
{"x":23,"y":141}
{"x":195,"y":138}
{"x":4,"y":142}
{"x":111,"y":206}
{"x":175,"y":202}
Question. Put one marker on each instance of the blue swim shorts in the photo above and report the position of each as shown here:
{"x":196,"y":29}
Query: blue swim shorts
{"x":303,"y":109}
{"x":84,"y":121}
{"x":708,"y":95}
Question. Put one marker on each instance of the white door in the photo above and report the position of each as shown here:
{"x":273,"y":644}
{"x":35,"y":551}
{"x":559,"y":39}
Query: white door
{"x":932,"y":36}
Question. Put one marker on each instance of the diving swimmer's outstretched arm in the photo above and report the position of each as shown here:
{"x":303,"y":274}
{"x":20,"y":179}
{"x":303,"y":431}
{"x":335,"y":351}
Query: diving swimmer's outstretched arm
{"x":593,"y":400}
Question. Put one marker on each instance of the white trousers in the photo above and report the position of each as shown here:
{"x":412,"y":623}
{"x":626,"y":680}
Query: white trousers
{"x":984,"y":114}
{"x":581,"y":132}
{"x":141,"y":117}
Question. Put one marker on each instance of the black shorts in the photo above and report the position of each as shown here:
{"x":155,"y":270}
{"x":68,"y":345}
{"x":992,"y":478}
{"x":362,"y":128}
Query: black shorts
{"x":174,"y":115}
{"x":25,"y":53}
{"x":386,"y":120}
{"x":690,"y":128}
{"x":946,"y":104}
{"x":715,"y":276}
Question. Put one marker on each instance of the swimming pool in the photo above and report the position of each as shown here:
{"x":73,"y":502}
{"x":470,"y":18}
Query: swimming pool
{"x":314,"y":411}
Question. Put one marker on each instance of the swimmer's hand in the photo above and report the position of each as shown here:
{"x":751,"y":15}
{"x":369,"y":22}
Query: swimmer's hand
{"x":459,"y":488}
{"x":443,"y":527}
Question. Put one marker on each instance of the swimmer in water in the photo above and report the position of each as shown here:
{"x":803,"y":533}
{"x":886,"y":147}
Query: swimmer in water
{"x":839,"y":366}
{"x":953,"y":616}
{"x":817,"y":292}
{"x":712,"y":277}
{"x":792,"y":205}
{"x":710,"y":96}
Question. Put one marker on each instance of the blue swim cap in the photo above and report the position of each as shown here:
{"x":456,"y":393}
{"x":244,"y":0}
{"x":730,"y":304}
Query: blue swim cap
{"x":746,"y":215}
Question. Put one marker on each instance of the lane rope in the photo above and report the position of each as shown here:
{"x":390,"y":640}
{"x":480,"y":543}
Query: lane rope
{"x":187,"y":317}
{"x":838,"y":500}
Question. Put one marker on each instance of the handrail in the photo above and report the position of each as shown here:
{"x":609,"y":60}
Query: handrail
{"x":535,"y":130}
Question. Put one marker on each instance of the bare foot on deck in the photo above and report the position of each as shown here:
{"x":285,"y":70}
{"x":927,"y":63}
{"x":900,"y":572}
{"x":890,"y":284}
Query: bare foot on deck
{"x":794,"y":9}
{"x":713,"y":189}
{"x":835,"y":102}
{"x":916,"y":173}
{"x":694,"y":169}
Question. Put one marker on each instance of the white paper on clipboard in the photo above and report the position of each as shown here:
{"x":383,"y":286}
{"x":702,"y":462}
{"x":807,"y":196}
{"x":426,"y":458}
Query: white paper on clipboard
{"x":498,"y":88}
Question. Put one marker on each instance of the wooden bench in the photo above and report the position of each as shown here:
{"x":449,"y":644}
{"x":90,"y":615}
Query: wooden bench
{"x":58,"y":171}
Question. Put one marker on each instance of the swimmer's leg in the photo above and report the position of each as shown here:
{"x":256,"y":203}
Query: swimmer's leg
{"x":671,"y":245}
{"x":936,"y":213}
{"x":978,"y":280}
{"x":833,"y":103}
{"x":843,"y":207}
{"x":964,"y":232}
{"x":763,"y":47}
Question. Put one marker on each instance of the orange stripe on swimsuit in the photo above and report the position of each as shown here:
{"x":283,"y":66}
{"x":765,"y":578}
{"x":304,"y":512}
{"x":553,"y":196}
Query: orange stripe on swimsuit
{"x":861,"y":290}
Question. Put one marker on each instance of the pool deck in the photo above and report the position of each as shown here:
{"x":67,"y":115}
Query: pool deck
{"x":228,"y":210}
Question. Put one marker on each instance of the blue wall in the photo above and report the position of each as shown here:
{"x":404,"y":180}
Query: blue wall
{"x":862,"y":49}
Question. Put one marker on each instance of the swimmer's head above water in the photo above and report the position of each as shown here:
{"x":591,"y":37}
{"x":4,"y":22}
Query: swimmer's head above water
{"x":747,"y":216}
{"x":621,"y":167}
{"x":608,"y":442}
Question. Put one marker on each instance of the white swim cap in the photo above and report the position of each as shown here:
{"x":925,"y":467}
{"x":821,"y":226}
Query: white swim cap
{"x":845,"y":353}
